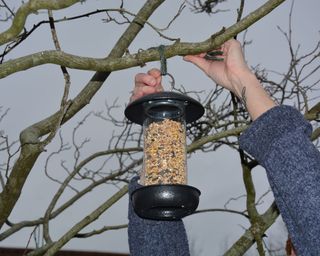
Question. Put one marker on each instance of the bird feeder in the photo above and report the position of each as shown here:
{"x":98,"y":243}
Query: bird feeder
{"x":164,"y":194}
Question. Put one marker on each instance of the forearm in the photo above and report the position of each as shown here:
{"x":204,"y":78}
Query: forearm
{"x":252,"y":94}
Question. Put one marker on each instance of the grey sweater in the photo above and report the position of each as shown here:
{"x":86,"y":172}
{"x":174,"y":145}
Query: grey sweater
{"x":155,"y":238}
{"x":279,"y":140}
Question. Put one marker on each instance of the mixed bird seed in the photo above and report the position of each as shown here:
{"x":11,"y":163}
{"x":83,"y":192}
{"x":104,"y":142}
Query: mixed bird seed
{"x":165,"y":153}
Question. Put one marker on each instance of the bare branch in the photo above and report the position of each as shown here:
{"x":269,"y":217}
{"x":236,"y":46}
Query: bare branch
{"x":140,"y":58}
{"x":9,"y":12}
{"x":100,"y":231}
{"x":254,"y":217}
{"x":222,"y":210}
{"x":25,"y":10}
{"x":208,"y":6}
{"x":202,"y":141}
{"x":247,"y":239}
{"x":85,"y":221}
{"x":53,"y":214}
{"x":65,"y":104}
{"x":10,"y":46}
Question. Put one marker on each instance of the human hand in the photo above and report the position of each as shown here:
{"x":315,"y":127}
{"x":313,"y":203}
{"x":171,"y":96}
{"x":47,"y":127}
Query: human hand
{"x":145,"y":84}
{"x":229,"y":71}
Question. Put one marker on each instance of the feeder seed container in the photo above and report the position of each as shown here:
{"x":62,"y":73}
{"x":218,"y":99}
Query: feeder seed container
{"x":164,"y":194}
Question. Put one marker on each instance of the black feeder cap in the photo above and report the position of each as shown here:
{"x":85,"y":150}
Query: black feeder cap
{"x":136,"y":110}
{"x":165,"y":202}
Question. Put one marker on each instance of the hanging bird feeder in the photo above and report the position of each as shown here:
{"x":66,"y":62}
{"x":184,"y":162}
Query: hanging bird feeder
{"x":164,"y":194}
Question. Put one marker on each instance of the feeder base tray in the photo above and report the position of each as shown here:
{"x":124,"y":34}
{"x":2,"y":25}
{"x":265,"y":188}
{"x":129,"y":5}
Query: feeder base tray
{"x":165,"y":202}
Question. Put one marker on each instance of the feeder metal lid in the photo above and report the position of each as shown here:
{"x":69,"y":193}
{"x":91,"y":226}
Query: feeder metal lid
{"x":135,"y":111}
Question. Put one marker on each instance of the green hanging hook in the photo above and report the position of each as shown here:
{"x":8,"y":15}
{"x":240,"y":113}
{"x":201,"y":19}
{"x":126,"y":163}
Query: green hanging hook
{"x":163,"y":66}
{"x":163,"y":60}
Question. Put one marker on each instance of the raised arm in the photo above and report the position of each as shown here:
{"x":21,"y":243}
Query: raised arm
{"x":234,"y":74}
{"x":279,"y":139}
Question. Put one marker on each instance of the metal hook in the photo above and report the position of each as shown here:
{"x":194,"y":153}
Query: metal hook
{"x":163,"y":67}
{"x":214,"y":56}
{"x":163,"y":60}
{"x":172,"y":82}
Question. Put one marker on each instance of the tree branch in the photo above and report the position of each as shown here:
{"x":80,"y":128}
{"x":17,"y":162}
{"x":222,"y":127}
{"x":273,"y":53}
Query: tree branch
{"x":101,"y":230}
{"x":254,"y":217}
{"x":52,"y":248}
{"x":10,"y":46}
{"x":25,"y":10}
{"x":85,"y":221}
{"x":202,"y":141}
{"x":247,"y":239}
{"x":53,"y":214}
{"x":63,"y":108}
{"x":222,"y":210}
{"x":140,"y":58}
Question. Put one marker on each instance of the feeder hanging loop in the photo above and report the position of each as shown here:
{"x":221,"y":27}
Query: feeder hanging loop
{"x":163,"y":66}
{"x":163,"y":60}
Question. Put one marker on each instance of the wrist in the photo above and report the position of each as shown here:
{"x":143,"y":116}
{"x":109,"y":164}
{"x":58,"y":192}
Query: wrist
{"x":243,"y":80}
{"x":252,"y":95}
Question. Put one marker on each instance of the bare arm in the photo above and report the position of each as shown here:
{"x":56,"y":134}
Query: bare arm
{"x":234,"y":74}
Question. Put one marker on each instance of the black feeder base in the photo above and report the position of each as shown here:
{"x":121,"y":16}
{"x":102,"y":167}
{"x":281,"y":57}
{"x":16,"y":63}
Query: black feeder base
{"x":165,"y":202}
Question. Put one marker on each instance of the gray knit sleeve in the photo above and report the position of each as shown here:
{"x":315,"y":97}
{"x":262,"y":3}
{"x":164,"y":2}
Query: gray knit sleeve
{"x":279,"y":140}
{"x":156,"y":238}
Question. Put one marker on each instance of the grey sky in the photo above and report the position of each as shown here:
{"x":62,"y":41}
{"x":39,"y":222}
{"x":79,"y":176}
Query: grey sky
{"x":35,"y":94}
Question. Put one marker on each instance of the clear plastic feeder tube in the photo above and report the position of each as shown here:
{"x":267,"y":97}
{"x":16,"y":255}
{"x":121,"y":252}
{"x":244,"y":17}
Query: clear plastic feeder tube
{"x":164,"y":130}
{"x":164,"y":159}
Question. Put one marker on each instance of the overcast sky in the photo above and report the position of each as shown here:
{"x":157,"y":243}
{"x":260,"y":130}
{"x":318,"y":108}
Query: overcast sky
{"x":35,"y":94}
